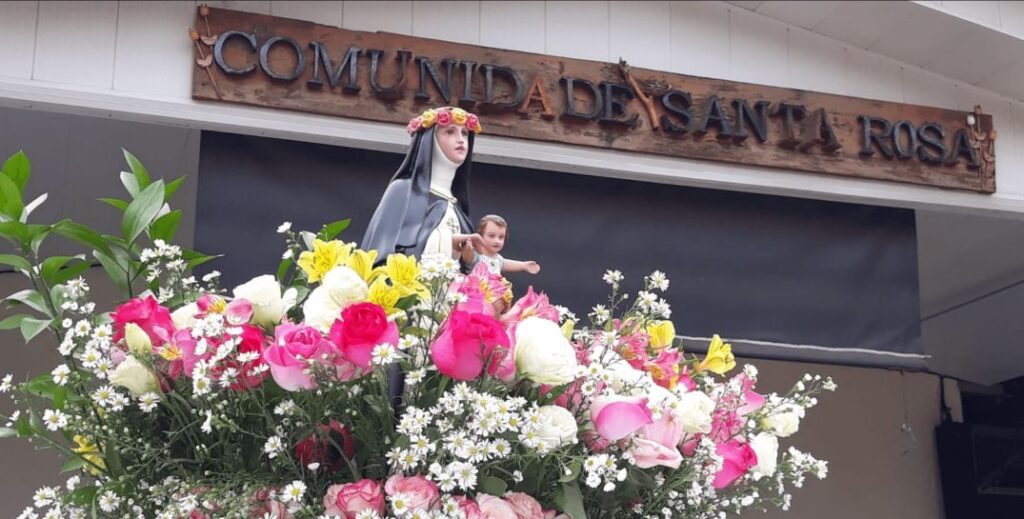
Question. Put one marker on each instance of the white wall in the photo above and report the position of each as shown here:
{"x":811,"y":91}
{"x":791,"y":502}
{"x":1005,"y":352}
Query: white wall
{"x":132,"y":60}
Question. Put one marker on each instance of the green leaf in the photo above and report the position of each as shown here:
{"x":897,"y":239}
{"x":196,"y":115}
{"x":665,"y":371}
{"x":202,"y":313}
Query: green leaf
{"x":113,"y":459}
{"x":71,"y":272}
{"x":117,"y":271}
{"x":142,"y":211}
{"x":30,"y":298}
{"x":81,"y":234}
{"x":172,"y":187}
{"x":572,"y":472}
{"x":52,"y":264}
{"x":141,"y":175}
{"x":84,"y":496}
{"x":570,"y":500}
{"x":30,"y":327}
{"x":73,"y":464}
{"x":34,"y":422}
{"x":15,"y":261}
{"x":7,"y":432}
{"x":16,"y":232}
{"x":195,"y":262}
{"x":282,"y":268}
{"x":37,"y":233}
{"x":10,"y":198}
{"x":333,"y":229}
{"x":12,"y":322}
{"x":18,"y":168}
{"x":131,"y":184}
{"x":57,"y":295}
{"x":116,"y":202}
{"x":165,"y":227}
{"x":492,"y":485}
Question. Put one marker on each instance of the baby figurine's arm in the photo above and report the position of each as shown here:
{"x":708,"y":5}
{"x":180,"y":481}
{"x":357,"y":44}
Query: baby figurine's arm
{"x":520,"y":266}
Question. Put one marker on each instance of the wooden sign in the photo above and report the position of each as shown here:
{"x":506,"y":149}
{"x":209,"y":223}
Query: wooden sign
{"x":289,"y":64}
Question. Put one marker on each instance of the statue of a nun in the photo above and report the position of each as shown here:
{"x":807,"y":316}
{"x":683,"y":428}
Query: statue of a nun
{"x":425,"y":208}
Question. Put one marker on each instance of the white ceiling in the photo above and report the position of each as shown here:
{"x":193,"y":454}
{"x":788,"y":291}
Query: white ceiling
{"x":962,"y":42}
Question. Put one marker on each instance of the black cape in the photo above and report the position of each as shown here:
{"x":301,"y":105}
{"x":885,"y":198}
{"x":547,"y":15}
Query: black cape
{"x":408,"y":212}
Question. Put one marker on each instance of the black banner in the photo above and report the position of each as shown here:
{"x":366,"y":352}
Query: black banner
{"x":780,"y":277}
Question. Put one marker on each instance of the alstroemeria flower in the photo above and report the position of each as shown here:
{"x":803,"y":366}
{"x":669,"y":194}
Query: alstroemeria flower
{"x":719,"y":358}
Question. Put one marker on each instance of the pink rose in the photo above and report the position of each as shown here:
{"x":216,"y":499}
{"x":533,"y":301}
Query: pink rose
{"x":421,"y":493}
{"x":414,"y":125}
{"x":154,"y":319}
{"x":362,"y":327}
{"x":656,"y":444}
{"x":294,"y":346}
{"x":738,"y":458}
{"x":321,"y":447}
{"x":473,"y":123}
{"x":525,"y":506}
{"x":468,"y":507}
{"x":347,"y":500}
{"x":616,"y":417}
{"x":494,"y":507}
{"x":444,"y":117}
{"x":467,"y":342}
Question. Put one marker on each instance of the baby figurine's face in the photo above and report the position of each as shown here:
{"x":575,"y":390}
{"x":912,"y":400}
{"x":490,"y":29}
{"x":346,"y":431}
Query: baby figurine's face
{"x":494,"y":236}
{"x":454,"y":142}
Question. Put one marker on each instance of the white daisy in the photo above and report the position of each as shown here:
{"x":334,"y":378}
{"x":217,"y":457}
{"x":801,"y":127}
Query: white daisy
{"x":60,"y":374}
{"x":293,"y":492}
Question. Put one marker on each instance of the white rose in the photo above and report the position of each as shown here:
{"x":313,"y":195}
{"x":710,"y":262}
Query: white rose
{"x":185,"y":317}
{"x":766,"y":446}
{"x":694,"y":412}
{"x":340,"y":288}
{"x":785,"y":420}
{"x":557,"y":426}
{"x":138,"y":342}
{"x":543,"y":354}
{"x":134,"y":376}
{"x":627,"y":380}
{"x":264,"y":292}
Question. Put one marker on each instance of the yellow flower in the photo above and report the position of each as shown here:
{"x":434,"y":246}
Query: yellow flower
{"x":90,"y":452}
{"x":459,"y":116}
{"x":361,"y":262}
{"x":662,"y":333}
{"x":324,"y":257}
{"x":427,"y":118}
{"x":719,"y":359}
{"x":567,"y":328}
{"x":403,"y":271}
{"x":384,"y":295}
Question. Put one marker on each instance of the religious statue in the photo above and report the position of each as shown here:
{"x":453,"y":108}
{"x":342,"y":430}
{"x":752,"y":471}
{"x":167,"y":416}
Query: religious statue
{"x":425,"y":208}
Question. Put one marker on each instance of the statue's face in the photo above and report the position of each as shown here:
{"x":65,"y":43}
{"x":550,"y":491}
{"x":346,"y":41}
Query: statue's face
{"x":454,"y":142}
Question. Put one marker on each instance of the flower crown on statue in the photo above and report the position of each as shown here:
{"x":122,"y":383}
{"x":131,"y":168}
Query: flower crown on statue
{"x":443,"y":117}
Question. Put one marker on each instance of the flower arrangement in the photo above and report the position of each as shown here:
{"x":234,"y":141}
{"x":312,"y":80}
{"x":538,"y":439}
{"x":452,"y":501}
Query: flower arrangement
{"x":278,"y":399}
{"x":443,"y":117}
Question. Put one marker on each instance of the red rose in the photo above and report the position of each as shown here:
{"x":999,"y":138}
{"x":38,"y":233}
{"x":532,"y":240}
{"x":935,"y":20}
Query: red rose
{"x":467,"y":342}
{"x":322,"y":447}
{"x":154,"y":319}
{"x":361,"y":327}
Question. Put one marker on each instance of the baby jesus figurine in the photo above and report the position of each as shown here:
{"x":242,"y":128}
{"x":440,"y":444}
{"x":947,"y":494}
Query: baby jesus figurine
{"x":485,"y":245}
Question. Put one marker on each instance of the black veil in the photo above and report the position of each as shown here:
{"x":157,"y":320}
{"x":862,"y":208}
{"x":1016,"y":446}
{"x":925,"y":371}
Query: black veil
{"x":408,"y":212}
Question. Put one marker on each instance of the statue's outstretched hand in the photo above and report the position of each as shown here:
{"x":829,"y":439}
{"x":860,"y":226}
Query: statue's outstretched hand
{"x":532,"y":267}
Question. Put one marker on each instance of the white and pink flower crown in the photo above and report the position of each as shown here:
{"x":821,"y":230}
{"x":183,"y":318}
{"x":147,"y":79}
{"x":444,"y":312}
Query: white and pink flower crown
{"x":443,"y":117}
